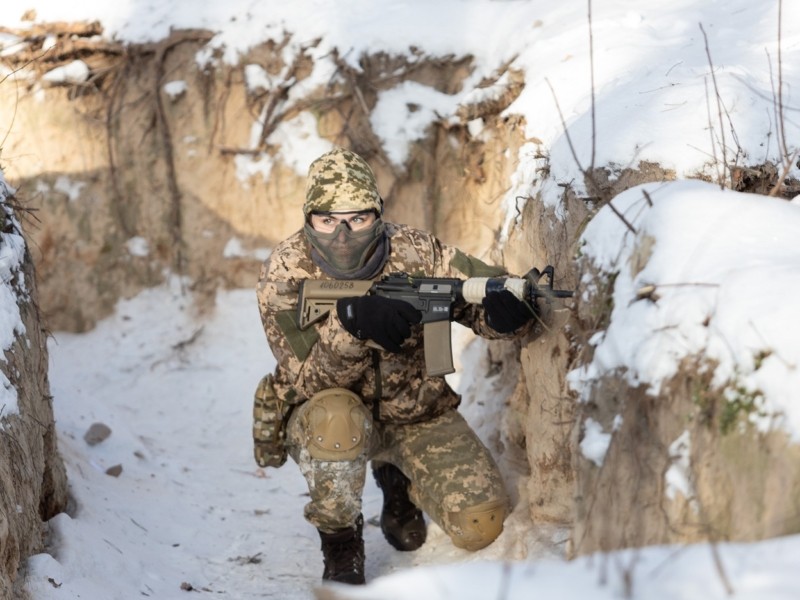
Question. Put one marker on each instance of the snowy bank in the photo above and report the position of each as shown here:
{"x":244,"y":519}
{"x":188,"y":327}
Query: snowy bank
{"x":710,"y":274}
{"x":762,"y":571}
{"x":12,"y":285}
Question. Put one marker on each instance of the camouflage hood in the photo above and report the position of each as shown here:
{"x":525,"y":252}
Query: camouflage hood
{"x":341,"y":181}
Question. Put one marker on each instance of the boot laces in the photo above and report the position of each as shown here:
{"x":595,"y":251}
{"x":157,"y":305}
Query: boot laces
{"x":347,"y":557}
{"x":343,"y":554}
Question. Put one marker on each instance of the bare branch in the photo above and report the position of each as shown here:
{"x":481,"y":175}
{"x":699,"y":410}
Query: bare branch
{"x":719,"y":102}
{"x":564,"y":126}
{"x":720,"y":177}
{"x":622,"y":218}
{"x":67,"y":29}
{"x":723,"y":576}
{"x":590,"y":173}
{"x":760,"y":94}
{"x":781,"y":127}
{"x":591,"y":69}
{"x":779,"y":110}
{"x":13,"y":115}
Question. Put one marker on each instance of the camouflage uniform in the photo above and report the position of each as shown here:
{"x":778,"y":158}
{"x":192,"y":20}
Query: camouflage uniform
{"x":409,"y":419}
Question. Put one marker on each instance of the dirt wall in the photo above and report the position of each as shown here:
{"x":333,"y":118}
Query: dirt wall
{"x":131,"y":182}
{"x":33,"y":483}
{"x":740,"y":484}
{"x":686,"y":464}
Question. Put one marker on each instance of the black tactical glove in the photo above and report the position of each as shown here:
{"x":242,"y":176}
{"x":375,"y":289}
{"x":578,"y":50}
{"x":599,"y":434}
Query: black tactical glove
{"x":386,"y":321}
{"x":505,"y":312}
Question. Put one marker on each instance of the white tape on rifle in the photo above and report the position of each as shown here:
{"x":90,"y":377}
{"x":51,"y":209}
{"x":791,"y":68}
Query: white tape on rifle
{"x":516,"y":286}
{"x":474,"y":289}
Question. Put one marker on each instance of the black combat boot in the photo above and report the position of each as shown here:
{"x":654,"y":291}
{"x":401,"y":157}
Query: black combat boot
{"x":343,"y":551}
{"x":402,"y":522}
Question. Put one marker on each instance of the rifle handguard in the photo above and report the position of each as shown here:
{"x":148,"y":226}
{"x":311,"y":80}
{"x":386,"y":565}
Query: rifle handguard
{"x":475,"y":289}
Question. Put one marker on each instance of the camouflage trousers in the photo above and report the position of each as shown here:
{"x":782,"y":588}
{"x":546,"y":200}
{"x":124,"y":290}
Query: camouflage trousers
{"x":449,"y":468}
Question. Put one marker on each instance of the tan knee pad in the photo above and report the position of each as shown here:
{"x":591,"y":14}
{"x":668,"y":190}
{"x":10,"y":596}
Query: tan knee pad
{"x":337,"y":425}
{"x":478,"y":526}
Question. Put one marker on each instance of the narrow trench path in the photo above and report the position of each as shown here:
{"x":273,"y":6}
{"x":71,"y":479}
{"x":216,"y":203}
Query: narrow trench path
{"x":190,"y":509}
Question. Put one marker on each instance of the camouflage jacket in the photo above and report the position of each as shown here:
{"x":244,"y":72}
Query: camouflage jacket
{"x":325,"y":355}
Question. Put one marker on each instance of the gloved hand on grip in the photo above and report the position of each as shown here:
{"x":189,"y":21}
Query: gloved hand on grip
{"x":505,"y":312}
{"x":386,"y":321}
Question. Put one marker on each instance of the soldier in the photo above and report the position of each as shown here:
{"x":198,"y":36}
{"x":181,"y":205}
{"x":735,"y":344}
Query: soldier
{"x":351,"y":403}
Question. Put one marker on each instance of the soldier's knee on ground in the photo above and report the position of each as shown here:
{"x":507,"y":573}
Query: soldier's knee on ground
{"x":477,"y":526}
{"x":337,"y":425}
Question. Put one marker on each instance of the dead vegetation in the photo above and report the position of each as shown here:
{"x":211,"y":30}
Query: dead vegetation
{"x":46,"y":46}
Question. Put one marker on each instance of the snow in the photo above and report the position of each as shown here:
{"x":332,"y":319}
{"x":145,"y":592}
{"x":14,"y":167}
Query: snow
{"x":234,"y":248}
{"x":175,"y":89}
{"x":753,"y":571}
{"x":138,"y":246}
{"x":189,"y":507}
{"x":71,"y":189}
{"x":655,"y":97}
{"x":256,"y":78}
{"x":75,"y":72}
{"x":12,"y":285}
{"x":723,"y":265}
{"x":402,"y":115}
{"x":677,"y":477}
{"x":298,"y":145}
{"x":594,"y":444}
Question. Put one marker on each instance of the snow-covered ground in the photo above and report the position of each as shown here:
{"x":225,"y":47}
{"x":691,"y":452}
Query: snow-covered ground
{"x":189,"y":506}
{"x":189,"y":509}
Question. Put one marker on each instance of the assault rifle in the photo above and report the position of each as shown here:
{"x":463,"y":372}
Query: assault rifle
{"x":434,"y":297}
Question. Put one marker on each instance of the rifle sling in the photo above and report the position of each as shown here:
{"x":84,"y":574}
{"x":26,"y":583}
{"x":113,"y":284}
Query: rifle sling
{"x":300,"y":341}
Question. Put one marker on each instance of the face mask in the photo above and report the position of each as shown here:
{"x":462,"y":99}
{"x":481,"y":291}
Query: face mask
{"x":344,"y":249}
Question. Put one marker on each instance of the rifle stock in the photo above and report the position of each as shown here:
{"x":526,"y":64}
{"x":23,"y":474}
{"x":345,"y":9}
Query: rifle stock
{"x":317,"y":297}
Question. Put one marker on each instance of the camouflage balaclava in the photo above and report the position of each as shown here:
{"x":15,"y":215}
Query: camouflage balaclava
{"x":342,"y":181}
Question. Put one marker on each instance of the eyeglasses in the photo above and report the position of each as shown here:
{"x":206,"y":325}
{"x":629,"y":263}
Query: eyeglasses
{"x":355,"y":221}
